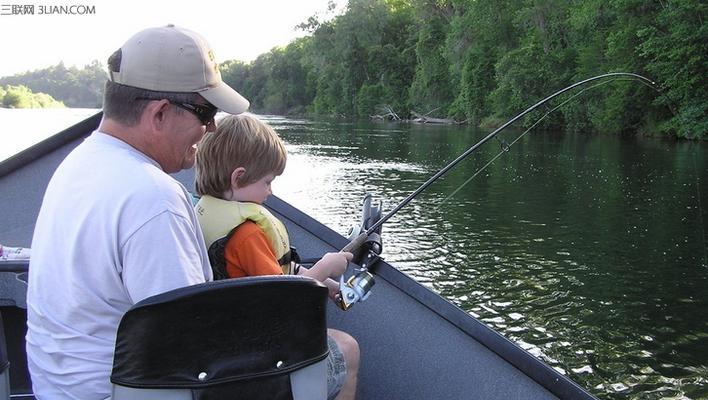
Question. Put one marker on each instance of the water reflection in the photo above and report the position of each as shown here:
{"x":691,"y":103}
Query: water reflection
{"x":589,"y":252}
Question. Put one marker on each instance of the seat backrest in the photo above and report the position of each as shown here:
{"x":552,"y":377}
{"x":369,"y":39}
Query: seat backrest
{"x":236,"y":338}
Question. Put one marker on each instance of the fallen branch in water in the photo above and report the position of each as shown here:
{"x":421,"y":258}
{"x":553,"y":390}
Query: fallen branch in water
{"x":389,"y":114}
{"x":425,"y":119}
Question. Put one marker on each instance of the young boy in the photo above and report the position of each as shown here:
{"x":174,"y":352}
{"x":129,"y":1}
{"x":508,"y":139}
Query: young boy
{"x":235,"y":166}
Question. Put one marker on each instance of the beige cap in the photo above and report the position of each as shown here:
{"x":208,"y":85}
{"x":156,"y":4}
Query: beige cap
{"x":174,"y":59}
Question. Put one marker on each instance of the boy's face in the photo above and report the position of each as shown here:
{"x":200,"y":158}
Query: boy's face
{"x":256,"y":192}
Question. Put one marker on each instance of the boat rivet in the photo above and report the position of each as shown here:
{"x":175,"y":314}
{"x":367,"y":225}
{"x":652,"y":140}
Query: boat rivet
{"x":279,"y":364}
{"x":350,"y":296}
{"x":202,"y":376}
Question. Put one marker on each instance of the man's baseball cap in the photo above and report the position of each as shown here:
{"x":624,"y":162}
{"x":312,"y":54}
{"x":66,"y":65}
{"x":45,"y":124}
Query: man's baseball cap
{"x":174,"y":59}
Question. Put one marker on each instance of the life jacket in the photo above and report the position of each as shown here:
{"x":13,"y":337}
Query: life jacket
{"x":219,"y":219}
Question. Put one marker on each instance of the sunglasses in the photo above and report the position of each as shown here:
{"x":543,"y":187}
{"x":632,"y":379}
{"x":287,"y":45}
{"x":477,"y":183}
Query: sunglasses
{"x":205,"y":113}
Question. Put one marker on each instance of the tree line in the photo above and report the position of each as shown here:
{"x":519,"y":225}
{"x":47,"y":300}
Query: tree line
{"x":74,"y":87}
{"x":22,"y":97}
{"x":477,"y":61}
{"x":483,"y":61}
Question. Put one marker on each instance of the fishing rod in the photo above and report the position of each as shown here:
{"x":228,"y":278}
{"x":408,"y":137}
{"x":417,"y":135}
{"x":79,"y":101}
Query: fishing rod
{"x":506,"y":146}
{"x":358,"y":286}
{"x":359,"y":240}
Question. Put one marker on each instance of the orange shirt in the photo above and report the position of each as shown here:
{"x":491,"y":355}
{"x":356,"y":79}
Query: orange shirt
{"x":248,"y":253}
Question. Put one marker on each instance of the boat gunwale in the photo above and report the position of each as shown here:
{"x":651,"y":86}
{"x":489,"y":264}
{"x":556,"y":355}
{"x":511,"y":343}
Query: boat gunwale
{"x":551,"y":379}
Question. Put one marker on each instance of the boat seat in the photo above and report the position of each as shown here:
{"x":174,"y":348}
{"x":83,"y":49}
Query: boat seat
{"x":261,"y":337}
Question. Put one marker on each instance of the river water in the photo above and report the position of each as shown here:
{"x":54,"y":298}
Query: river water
{"x":590,"y":252}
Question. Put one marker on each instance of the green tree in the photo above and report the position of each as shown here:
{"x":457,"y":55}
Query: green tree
{"x":431,"y":87}
{"x":22,"y":97}
{"x":480,"y":33}
{"x":675,"y":49}
{"x":236,"y":74}
{"x":75,"y":87}
{"x":541,"y":63}
{"x":484,"y":60}
{"x":366,"y":51}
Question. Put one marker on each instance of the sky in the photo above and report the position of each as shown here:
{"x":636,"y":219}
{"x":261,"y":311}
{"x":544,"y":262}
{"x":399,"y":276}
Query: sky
{"x":235,"y":29}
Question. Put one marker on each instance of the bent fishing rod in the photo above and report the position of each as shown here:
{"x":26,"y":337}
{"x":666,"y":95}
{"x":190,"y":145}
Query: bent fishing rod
{"x":358,"y":286}
{"x":361,"y":239}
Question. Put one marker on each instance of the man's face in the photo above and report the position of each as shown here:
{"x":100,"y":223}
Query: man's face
{"x":185,"y":132}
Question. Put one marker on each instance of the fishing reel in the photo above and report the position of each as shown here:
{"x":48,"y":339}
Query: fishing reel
{"x":358,"y":286}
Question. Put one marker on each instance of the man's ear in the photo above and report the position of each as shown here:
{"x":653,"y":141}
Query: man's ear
{"x":156,"y":113}
{"x":236,"y":175}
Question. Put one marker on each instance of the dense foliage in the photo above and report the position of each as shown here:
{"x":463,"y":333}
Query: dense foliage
{"x":484,"y":61}
{"x":73,"y":86}
{"x":480,"y":61}
{"x":21,"y":97}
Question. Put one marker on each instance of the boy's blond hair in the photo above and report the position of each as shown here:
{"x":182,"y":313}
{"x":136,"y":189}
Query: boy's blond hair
{"x":239,"y":141}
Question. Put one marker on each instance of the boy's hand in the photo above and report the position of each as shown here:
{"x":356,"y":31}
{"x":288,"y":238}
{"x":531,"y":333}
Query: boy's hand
{"x":333,"y":287}
{"x":331,"y":265}
{"x":335,"y":263}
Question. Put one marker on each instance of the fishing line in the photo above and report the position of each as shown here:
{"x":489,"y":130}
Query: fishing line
{"x":700,"y":209}
{"x":361,"y":239}
{"x":506,"y":146}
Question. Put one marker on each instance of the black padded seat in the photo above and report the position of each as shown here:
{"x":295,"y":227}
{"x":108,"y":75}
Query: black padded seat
{"x":246,"y":338}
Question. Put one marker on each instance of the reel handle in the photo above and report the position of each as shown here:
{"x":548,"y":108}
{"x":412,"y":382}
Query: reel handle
{"x":356,"y":289}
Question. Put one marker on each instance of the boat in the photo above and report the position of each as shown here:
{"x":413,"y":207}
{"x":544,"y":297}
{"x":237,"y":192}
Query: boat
{"x":414,"y":343}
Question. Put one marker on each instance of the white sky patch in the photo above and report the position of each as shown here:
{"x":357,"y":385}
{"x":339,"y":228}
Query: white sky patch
{"x":238,"y":29}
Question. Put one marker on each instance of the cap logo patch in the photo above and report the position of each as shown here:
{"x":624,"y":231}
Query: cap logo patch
{"x":210,"y":54}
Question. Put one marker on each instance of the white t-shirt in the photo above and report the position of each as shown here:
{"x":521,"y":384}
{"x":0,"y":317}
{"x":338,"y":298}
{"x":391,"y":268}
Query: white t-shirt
{"x":113,"y":229}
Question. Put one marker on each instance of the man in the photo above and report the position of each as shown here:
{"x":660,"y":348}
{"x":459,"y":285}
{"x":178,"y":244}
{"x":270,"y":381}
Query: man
{"x":114,"y":227}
